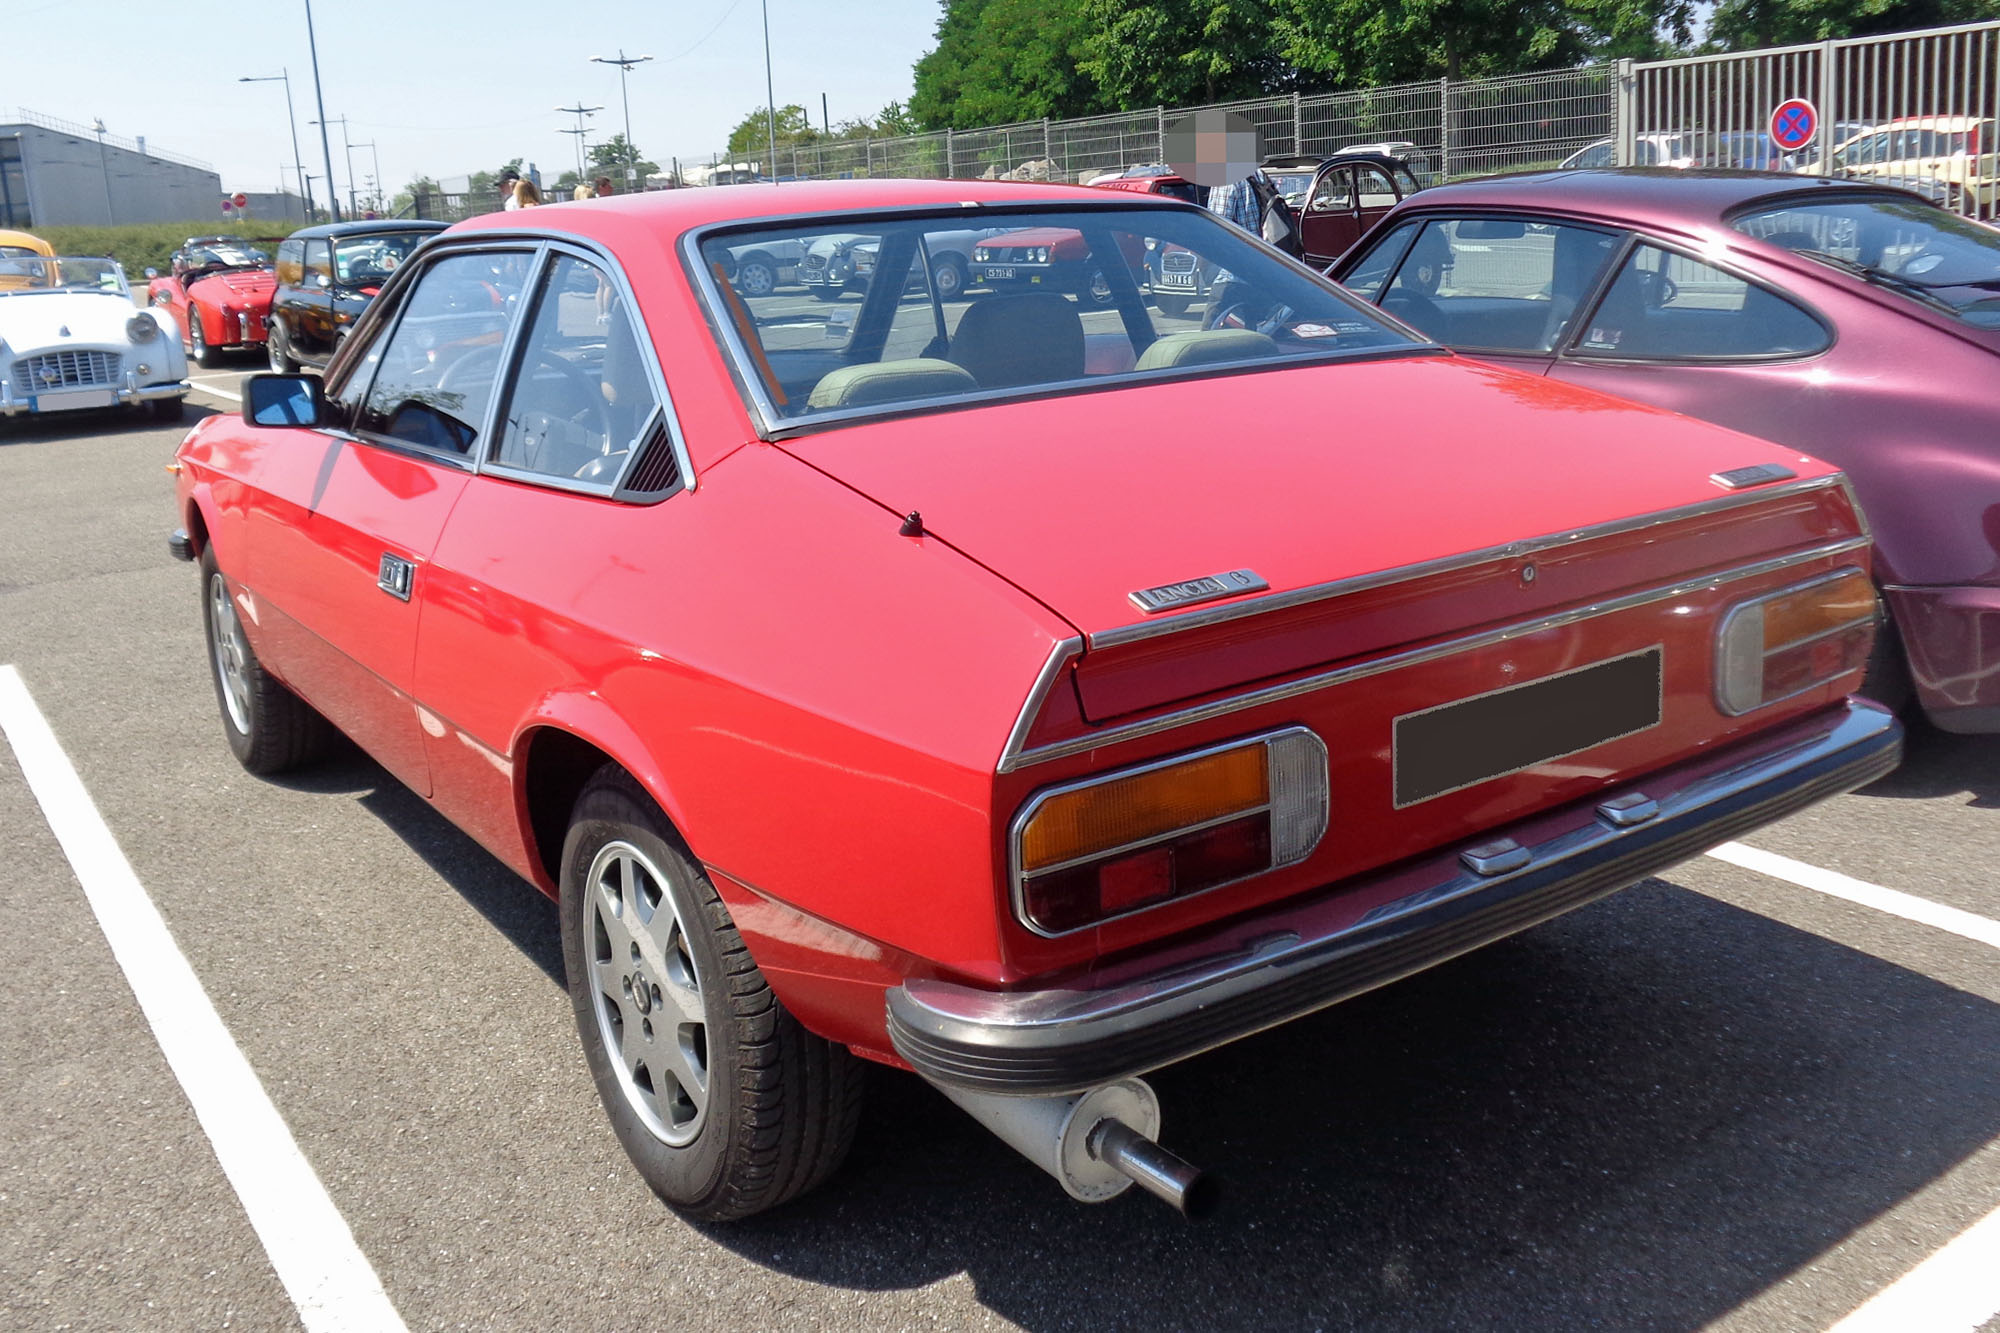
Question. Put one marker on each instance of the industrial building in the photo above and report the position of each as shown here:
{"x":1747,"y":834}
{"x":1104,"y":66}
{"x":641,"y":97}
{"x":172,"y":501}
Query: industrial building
{"x":57,"y":173}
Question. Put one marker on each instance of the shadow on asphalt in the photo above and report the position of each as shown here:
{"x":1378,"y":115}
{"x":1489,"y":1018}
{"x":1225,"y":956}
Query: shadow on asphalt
{"x":85,"y":427}
{"x":1638,"y":1116}
{"x":1940,"y":764}
{"x":516,"y":908}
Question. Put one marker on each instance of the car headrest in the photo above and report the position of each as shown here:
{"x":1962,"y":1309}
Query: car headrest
{"x":1005,"y":341}
{"x":1204,"y":348}
{"x":890,"y":382}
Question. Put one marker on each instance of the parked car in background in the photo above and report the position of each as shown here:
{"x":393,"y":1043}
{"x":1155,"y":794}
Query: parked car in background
{"x":20,"y":245}
{"x":218,"y":289}
{"x":838,"y":264}
{"x":1339,"y":197}
{"x":326,"y":276}
{"x":1680,"y":149}
{"x":973,"y":692}
{"x":1169,"y":183}
{"x":1419,"y":160}
{"x":757,"y":270}
{"x":1853,"y":320}
{"x":70,"y":339}
{"x":1959,"y":154}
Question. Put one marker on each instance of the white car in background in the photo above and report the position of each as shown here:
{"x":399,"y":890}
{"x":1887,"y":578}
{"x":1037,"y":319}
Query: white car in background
{"x":70,"y":339}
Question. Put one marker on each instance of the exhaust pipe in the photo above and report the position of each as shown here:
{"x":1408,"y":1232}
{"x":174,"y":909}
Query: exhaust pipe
{"x":1097,"y":1144}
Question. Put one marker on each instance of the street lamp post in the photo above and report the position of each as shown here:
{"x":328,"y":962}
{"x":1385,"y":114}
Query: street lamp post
{"x":298,"y":163}
{"x":375,"y":181}
{"x":104,"y":168}
{"x":319,"y":98}
{"x":348,"y":149}
{"x":580,"y":111}
{"x":770,"y":98}
{"x":625,"y":63}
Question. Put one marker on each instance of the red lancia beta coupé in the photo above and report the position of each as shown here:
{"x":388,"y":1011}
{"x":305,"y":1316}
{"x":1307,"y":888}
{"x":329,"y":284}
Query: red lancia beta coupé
{"x":866,"y":684}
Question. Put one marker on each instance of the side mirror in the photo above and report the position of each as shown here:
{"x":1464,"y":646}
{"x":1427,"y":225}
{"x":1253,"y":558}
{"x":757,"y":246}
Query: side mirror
{"x":321,"y":280}
{"x":152,"y":272}
{"x":284,"y":400}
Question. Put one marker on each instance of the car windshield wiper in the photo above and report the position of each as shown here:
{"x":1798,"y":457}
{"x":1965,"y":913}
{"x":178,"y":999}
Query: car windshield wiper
{"x":1882,"y":277}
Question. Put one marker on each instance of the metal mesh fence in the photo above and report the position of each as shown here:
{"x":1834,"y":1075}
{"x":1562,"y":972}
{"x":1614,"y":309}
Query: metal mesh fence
{"x":1526,"y":120}
{"x":1105,"y":143}
{"x":1401,"y":113}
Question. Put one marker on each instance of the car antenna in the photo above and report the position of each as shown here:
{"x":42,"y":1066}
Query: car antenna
{"x":913,"y":525}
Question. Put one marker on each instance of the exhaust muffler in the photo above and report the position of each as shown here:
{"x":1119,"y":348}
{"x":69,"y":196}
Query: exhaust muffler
{"x":1097,"y":1144}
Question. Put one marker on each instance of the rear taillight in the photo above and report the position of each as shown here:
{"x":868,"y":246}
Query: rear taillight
{"x":1788,"y":642}
{"x":1122,"y":842}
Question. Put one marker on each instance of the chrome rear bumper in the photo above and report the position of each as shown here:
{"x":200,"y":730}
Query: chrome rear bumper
{"x":1279,"y":964}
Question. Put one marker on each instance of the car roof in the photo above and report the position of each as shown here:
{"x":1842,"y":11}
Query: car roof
{"x":1314,"y":161}
{"x":366,"y":227}
{"x":1634,"y":192}
{"x":1948,"y":124}
{"x":26,"y":241}
{"x":685,"y":209}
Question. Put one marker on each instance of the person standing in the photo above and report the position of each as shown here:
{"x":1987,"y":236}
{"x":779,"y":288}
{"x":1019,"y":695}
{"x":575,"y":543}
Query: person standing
{"x":506,"y":187}
{"x":603,"y":184}
{"x":583,"y":191}
{"x":525,"y":194}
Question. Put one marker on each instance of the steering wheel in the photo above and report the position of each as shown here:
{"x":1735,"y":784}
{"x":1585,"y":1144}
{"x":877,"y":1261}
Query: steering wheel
{"x":588,"y":409}
{"x":1660,"y":290}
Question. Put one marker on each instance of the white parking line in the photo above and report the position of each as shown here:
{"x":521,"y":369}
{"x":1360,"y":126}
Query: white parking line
{"x":206,"y":387}
{"x":324,"y":1272}
{"x":1830,"y":882}
{"x":1953,"y":1291}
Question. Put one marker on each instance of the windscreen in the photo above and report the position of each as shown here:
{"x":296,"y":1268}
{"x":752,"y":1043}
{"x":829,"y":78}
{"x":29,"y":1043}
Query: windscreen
{"x":1924,"y":252}
{"x":896,"y":313}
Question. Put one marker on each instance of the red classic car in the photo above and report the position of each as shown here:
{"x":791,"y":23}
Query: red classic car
{"x":867,"y":689}
{"x":219,"y":292}
{"x":1851,"y":319}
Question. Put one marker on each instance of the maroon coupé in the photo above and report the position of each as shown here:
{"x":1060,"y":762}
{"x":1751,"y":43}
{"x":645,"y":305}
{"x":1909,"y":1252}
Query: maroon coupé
{"x":1857,"y":322}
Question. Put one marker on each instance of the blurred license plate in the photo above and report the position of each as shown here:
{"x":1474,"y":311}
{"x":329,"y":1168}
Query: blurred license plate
{"x":1177,"y":279}
{"x":75,"y":398}
{"x":1487,"y":736}
{"x":993,"y":272}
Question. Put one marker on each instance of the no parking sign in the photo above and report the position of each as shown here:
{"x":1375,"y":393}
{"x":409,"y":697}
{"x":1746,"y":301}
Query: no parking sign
{"x":1794,"y":124}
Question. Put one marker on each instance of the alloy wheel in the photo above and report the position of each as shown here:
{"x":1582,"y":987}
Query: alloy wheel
{"x":232,"y":653}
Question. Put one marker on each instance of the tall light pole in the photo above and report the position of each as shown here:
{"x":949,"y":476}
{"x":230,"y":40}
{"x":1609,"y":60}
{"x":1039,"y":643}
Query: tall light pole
{"x":625,"y":63}
{"x":298,"y":163}
{"x":770,"y":98}
{"x":104,"y":167}
{"x":319,"y":98}
{"x":580,"y":111}
{"x":375,"y":181}
{"x":348,"y":149}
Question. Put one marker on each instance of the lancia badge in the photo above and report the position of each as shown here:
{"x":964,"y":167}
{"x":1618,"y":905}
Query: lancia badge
{"x":1207,"y":588}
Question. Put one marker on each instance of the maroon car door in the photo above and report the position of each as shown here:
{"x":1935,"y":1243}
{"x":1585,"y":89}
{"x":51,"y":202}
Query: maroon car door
{"x":1331,"y":222}
{"x":350,"y":573}
{"x":1374,"y":195}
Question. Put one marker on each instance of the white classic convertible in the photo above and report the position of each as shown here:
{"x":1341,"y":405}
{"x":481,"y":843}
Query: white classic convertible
{"x":70,"y":338}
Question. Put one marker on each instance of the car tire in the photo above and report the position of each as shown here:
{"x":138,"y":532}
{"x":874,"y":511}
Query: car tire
{"x":749,"y":1109}
{"x":950,"y":278}
{"x":269,"y":729}
{"x":1172,"y":306}
{"x":756,"y":275}
{"x":274,"y":352}
{"x":167,"y":409}
{"x":199,"y":351}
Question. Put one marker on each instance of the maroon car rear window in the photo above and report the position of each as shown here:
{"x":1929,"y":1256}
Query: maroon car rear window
{"x":1915,"y":249}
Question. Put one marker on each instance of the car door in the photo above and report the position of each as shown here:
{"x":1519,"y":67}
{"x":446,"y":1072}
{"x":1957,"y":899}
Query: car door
{"x":1330,"y":223}
{"x":1374,"y":195}
{"x":1679,"y":332}
{"x":348,"y":572}
{"x":311,"y":323}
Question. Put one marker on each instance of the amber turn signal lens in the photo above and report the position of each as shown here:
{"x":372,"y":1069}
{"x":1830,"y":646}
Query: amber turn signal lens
{"x":1075,"y":824}
{"x":1788,"y":642}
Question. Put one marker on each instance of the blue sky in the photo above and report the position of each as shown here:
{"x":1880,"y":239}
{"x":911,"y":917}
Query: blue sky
{"x":445,"y":87}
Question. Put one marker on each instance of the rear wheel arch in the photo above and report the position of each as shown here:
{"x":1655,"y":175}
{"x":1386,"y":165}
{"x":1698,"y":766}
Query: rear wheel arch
{"x":554,"y":765}
{"x":197,"y":526}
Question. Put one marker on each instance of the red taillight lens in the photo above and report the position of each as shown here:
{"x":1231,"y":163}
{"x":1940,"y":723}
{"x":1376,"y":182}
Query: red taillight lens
{"x":1773,"y":647}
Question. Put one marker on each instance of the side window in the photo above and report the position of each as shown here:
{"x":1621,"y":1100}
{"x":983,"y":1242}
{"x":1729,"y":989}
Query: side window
{"x":1376,"y":189}
{"x":1406,"y":184}
{"x":1502,"y":284}
{"x":1334,"y":190}
{"x":291,"y":263}
{"x":435,"y":371}
{"x":319,"y":262}
{"x":1368,"y":276}
{"x":1666,"y":306}
{"x":582,"y":396}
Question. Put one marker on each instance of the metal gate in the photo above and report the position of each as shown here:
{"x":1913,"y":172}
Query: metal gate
{"x":1920,"y":110}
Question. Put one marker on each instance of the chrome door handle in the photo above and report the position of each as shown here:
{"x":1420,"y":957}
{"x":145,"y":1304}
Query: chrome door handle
{"x":395,"y":576}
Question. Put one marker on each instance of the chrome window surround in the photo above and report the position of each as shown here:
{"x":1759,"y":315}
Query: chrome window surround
{"x":1014,"y":758}
{"x":1317,"y":803}
{"x":542,"y":248}
{"x":770,"y":424}
{"x":1741,"y":609}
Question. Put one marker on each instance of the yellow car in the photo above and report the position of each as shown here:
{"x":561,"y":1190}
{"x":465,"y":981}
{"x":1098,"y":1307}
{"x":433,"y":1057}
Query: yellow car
{"x":1955,"y":159}
{"x":17,"y":250}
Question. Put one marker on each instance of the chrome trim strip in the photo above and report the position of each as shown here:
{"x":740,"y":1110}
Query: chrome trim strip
{"x":1012,"y":760}
{"x":1060,"y":653}
{"x":1148,"y":629}
{"x":1017,"y":878}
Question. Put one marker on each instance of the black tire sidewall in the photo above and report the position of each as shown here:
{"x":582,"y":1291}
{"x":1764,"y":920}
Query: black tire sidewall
{"x":242,"y":743}
{"x":610,"y":810}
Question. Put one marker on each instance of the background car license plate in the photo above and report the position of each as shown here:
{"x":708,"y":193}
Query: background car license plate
{"x":993,"y":272}
{"x":75,"y":398}
{"x":1487,"y":736}
{"x":1177,"y":279}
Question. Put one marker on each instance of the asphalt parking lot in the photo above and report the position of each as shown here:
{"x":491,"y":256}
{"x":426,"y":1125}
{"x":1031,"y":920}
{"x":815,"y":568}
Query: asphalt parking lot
{"x":1724,"y":1098}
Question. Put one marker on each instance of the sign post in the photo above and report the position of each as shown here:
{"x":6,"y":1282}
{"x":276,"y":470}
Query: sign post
{"x":1794,"y":125}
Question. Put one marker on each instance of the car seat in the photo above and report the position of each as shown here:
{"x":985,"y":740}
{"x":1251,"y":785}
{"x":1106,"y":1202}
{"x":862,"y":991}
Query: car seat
{"x":1008,"y":341}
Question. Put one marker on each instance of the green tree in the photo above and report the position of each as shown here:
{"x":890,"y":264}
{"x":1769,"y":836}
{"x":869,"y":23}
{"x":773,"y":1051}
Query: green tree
{"x":481,"y":182}
{"x":1001,"y":61}
{"x":1737,"y":25}
{"x":1180,"y":52}
{"x":752,"y":136}
{"x":420,"y":185}
{"x":1359,"y":43}
{"x":611,"y":157}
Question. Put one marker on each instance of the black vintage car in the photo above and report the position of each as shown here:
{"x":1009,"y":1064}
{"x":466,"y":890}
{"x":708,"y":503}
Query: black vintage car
{"x":326,"y":278}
